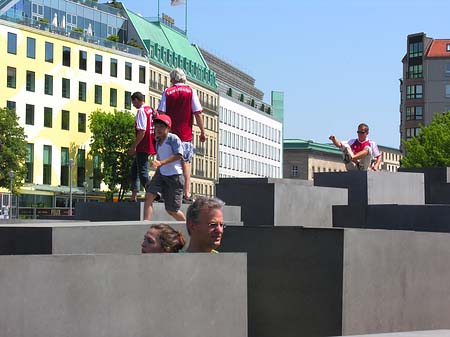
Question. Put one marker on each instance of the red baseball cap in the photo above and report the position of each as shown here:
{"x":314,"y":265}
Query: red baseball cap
{"x":164,"y":119}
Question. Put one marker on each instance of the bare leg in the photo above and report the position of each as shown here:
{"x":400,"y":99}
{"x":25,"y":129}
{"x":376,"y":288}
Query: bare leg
{"x":133,"y":195}
{"x":148,"y":205}
{"x":187,"y":178}
{"x":179,"y":216}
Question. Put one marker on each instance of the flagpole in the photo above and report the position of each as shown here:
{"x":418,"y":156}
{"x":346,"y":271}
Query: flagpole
{"x":158,"y":10}
{"x":185,"y":18}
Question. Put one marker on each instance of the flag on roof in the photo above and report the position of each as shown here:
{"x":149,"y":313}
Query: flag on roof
{"x":177,"y":2}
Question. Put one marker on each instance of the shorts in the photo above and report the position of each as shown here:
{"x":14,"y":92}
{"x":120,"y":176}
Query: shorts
{"x":188,"y":151}
{"x":170,"y":188}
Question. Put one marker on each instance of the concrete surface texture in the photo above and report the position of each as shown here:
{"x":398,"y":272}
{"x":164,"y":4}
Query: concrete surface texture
{"x":272,"y":202}
{"x":134,"y":211}
{"x":437,"y":187}
{"x":395,"y":281}
{"x":428,"y":333}
{"x":427,"y":218}
{"x":370,"y":188}
{"x":331,"y":282}
{"x":294,"y":279}
{"x":156,"y":295}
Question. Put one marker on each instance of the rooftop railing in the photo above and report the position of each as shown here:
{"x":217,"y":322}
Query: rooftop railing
{"x":67,"y":32}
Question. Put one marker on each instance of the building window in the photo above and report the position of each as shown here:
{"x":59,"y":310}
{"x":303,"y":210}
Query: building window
{"x":48,"y":86}
{"x":64,"y":179}
{"x":128,"y":71}
{"x":65,"y":120}
{"x":49,"y":52}
{"x":97,"y":171}
{"x":414,"y":91}
{"x":113,"y":68}
{"x":81,"y":167}
{"x":48,"y":117}
{"x":415,"y":71}
{"x":47,"y":167}
{"x":66,"y":56}
{"x":11,"y":77}
{"x":113,"y":97}
{"x":29,"y":160}
{"x":415,"y":49}
{"x":83,"y":60}
{"x":65,"y":88}
{"x":12,"y":43}
{"x":11,"y":105}
{"x":29,"y":114}
{"x":31,"y":47}
{"x":448,"y":46}
{"x":412,"y":132}
{"x":82,"y":91}
{"x":414,"y":113}
{"x":447,"y":90}
{"x":141,"y":74}
{"x":81,"y":122}
{"x":127,"y":100}
{"x":31,"y":79}
{"x":98,"y":94}
{"x":98,"y":64}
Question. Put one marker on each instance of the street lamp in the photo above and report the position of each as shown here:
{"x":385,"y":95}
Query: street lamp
{"x":70,"y":185}
{"x":85,"y":184}
{"x":11,"y":177}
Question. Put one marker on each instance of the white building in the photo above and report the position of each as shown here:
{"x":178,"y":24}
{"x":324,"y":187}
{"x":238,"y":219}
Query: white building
{"x":250,"y":131}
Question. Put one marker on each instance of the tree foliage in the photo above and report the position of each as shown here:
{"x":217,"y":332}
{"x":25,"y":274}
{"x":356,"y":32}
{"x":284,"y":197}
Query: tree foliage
{"x":431,"y":147}
{"x":112,"y":135}
{"x":14,"y":148}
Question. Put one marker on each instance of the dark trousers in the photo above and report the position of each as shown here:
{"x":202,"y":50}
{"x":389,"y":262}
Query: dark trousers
{"x":139,"y":170}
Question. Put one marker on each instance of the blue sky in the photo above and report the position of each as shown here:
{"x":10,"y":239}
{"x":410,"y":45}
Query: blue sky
{"x":337,"y":62}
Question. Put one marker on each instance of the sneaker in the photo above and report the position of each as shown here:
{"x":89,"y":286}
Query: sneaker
{"x":187,"y":200}
{"x":347,"y":158}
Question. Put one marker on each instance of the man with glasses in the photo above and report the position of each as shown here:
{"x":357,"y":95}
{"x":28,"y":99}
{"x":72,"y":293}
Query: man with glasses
{"x":204,"y":221}
{"x":357,"y":152}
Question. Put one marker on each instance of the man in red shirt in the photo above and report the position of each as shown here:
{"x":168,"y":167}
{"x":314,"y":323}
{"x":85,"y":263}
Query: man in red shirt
{"x":357,"y":151}
{"x":181,"y":103}
{"x":143,"y":144}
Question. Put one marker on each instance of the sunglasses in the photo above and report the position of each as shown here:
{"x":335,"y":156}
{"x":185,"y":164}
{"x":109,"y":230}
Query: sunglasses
{"x":360,"y":132}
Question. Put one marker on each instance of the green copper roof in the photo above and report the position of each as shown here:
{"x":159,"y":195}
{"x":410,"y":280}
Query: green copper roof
{"x":171,"y":49}
{"x":309,"y":145}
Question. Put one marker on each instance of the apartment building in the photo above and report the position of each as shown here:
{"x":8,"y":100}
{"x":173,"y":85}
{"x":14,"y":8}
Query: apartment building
{"x":250,"y":130}
{"x":62,"y":60}
{"x":425,"y":86}
{"x":54,"y":77}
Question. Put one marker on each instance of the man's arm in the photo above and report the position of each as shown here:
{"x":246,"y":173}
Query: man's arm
{"x":139,"y":136}
{"x":335,"y":141}
{"x":199,"y":120}
{"x":361,"y":154}
{"x":376,"y":166}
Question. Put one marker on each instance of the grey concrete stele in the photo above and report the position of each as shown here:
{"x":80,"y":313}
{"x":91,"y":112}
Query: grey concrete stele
{"x":158,"y":295}
{"x":281,"y":202}
{"x":134,"y":211}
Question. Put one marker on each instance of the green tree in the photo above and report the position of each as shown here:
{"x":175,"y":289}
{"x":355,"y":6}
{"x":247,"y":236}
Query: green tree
{"x":112,"y":135}
{"x":431,"y":147}
{"x":14,"y":149}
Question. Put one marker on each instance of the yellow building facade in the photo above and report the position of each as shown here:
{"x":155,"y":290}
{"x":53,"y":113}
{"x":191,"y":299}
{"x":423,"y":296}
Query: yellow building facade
{"x":54,"y":82}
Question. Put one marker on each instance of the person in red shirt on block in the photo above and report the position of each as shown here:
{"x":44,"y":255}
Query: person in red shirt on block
{"x":143,"y":145}
{"x":357,"y":152}
{"x":181,"y":103}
